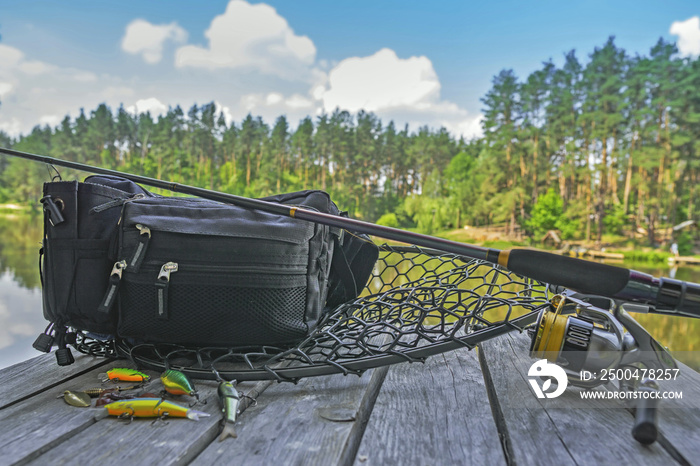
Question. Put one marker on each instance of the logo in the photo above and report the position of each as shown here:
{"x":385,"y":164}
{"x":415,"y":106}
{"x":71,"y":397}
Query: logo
{"x":541,"y":369}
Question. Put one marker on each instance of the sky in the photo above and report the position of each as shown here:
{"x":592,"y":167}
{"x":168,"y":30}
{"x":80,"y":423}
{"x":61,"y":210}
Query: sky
{"x":413,"y":62}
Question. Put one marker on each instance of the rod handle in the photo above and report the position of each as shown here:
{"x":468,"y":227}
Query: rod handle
{"x":577,"y":274}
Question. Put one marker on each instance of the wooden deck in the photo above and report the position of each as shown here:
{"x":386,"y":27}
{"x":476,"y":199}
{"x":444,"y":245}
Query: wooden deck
{"x":462,"y":407}
{"x":683,"y":260}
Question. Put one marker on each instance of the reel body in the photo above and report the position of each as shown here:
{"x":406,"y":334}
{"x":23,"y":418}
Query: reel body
{"x":590,"y":336}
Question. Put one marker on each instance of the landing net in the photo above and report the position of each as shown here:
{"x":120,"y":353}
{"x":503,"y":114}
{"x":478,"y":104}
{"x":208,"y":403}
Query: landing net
{"x":418,"y":303}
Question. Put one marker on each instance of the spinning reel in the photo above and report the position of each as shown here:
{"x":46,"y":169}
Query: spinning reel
{"x":596,"y":341}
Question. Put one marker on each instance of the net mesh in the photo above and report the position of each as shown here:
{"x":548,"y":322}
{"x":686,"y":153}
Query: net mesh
{"x":417,"y":303}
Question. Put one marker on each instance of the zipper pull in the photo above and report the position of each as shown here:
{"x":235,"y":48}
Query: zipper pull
{"x":162,"y":285}
{"x":115,"y":203}
{"x":64,"y":357}
{"x":140,"y":253}
{"x":53,"y":212}
{"x":114,"y":280}
{"x":44,"y":341}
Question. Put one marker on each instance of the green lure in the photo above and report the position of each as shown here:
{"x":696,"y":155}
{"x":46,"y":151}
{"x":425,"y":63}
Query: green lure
{"x":230,"y":401}
{"x":177,"y":383}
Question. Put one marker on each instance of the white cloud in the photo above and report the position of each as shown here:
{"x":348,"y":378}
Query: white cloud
{"x":152,"y":105}
{"x":273,"y":98}
{"x":117,"y":93}
{"x":253,"y":63}
{"x":10,"y":56}
{"x":251,"y":37}
{"x":5,"y":88}
{"x":405,"y":90}
{"x":84,"y":76}
{"x":298,"y":101}
{"x":146,"y":39}
{"x":381,"y":81}
{"x":688,"y":33}
{"x":35,"y":68}
{"x":220,"y":109}
{"x":37,"y":93}
{"x":51,"y":120}
{"x":11,"y":126}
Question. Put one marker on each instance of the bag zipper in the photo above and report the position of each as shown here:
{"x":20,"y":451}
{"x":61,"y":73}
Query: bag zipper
{"x":115,"y":203}
{"x":162,"y":284}
{"x":140,"y":253}
{"x":287,"y":270}
{"x":115,"y":278}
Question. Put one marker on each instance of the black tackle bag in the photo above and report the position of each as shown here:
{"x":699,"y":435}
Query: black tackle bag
{"x":121,"y":262}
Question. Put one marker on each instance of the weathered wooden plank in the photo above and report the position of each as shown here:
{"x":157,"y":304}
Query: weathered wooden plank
{"x":317,"y":421}
{"x":114,"y":442}
{"x":433,"y":413}
{"x":563,"y":430}
{"x":679,"y":419}
{"x":32,"y":426}
{"x":35,"y":375}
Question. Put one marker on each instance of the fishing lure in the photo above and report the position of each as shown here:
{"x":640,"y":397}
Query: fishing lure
{"x":230,"y":401}
{"x":177,"y":383}
{"x":120,"y":374}
{"x":79,"y":399}
{"x":97,"y":392}
{"x":110,"y":397}
{"x":152,"y":407}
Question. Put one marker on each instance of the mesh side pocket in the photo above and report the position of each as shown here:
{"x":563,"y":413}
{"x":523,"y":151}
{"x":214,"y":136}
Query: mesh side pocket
{"x":214,"y":315}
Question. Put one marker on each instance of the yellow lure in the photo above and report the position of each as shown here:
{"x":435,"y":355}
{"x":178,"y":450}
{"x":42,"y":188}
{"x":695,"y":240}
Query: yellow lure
{"x":152,"y":407}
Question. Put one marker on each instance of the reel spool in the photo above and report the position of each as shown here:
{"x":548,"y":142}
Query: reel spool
{"x":577,"y":334}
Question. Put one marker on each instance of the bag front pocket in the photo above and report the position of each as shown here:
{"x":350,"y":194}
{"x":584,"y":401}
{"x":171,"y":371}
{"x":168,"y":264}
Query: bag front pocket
{"x":74,"y":272}
{"x":213,"y":305}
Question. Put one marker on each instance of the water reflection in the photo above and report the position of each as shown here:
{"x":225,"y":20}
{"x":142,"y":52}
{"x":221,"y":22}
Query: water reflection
{"x":21,"y":318}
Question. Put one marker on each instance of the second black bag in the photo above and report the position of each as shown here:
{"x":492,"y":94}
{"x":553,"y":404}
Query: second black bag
{"x":197,"y":272}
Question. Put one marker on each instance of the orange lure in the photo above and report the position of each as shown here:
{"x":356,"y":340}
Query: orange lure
{"x":120,"y":374}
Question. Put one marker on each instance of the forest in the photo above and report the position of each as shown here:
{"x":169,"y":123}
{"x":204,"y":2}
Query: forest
{"x":605,"y":145}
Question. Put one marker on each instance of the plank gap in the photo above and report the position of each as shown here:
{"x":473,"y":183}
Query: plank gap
{"x":352,"y":444}
{"x":498,"y":415}
{"x":57,"y":383}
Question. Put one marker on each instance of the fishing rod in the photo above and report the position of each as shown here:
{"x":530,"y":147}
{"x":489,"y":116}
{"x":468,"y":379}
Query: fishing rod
{"x":651,"y":294}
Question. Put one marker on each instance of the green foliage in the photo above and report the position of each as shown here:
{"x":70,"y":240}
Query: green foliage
{"x":389,"y":220}
{"x":546,"y":214}
{"x":615,"y":219}
{"x":369,"y":168}
{"x":644,"y":255}
{"x":430,"y":214}
{"x":573,"y":221}
{"x":685,"y":243}
{"x":592,"y":148}
{"x":431,"y":211}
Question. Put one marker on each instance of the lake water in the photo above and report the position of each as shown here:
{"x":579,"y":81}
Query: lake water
{"x":21,"y":318}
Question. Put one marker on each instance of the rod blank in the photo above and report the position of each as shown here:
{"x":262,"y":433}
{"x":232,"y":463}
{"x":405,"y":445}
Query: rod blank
{"x":664,"y":295}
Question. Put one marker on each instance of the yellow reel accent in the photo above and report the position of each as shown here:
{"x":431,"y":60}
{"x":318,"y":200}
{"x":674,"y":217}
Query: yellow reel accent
{"x":551,"y":328}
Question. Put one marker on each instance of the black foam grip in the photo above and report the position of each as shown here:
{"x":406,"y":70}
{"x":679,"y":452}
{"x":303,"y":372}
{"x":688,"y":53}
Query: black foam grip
{"x":681,"y":296}
{"x":576,"y":274}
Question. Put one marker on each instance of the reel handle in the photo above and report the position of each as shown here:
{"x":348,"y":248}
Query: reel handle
{"x":646,"y":422}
